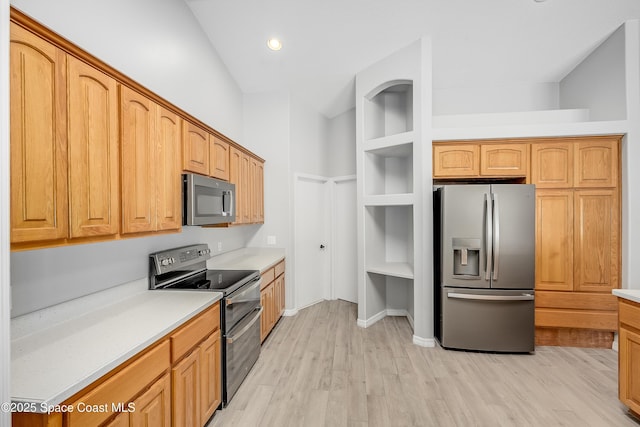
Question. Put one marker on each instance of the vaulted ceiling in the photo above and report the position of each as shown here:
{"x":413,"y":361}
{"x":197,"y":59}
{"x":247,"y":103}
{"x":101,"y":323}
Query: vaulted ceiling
{"x":476,"y":43}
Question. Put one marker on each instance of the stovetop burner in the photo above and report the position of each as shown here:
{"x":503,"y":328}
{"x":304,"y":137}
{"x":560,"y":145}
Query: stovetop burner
{"x":225,"y":281}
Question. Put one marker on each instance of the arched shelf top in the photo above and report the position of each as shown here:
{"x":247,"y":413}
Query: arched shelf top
{"x":401,"y":85}
{"x":388,"y":109}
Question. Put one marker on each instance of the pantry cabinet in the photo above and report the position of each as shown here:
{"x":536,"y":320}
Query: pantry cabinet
{"x":38,"y":131}
{"x":596,"y":163}
{"x":552,"y":164}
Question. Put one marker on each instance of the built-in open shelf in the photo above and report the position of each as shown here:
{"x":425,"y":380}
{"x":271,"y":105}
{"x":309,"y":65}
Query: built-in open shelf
{"x":389,"y":170}
{"x":389,"y":236}
{"x":390,"y":111}
{"x":395,"y":269}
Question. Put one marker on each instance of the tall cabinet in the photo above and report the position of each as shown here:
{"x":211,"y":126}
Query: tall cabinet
{"x":394,"y":216}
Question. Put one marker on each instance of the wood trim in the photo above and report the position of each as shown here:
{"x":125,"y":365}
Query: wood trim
{"x":576,"y":300}
{"x":32,"y":25}
{"x":629,"y":314}
{"x":570,"y":337}
{"x":581,"y":319}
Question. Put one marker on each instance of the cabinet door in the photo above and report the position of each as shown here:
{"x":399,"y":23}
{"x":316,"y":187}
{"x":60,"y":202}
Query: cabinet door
{"x":596,"y":164}
{"x":235,"y":177}
{"x":456,"y":160}
{"x":257,"y":190}
{"x":138,"y":152}
{"x":504,"y":159}
{"x":552,"y":164}
{"x":554,"y":240}
{"x":264,"y":317}
{"x":38,"y":139}
{"x":168,"y":174}
{"x":280,"y":296}
{"x":93,"y":151}
{"x":247,"y":188}
{"x":219,"y":161}
{"x":121,"y":420}
{"x":629,"y":375}
{"x":153,"y":407}
{"x":186,"y":391}
{"x":210,"y":376}
{"x":597,"y":240}
{"x":195,"y":149}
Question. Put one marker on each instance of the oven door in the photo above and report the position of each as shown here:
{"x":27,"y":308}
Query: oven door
{"x":242,"y":345}
{"x":240,"y":303}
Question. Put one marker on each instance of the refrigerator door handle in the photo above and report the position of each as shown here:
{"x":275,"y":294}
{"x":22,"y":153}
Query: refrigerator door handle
{"x":489,"y":236}
{"x":496,"y":235}
{"x":523,"y":297}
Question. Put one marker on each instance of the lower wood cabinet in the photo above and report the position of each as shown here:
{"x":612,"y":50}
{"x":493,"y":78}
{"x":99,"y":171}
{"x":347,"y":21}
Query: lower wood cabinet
{"x":272,"y":298}
{"x":175,"y":382}
{"x":629,"y":355}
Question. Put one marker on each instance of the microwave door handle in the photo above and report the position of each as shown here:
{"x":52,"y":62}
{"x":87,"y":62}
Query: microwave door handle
{"x":227,"y":203}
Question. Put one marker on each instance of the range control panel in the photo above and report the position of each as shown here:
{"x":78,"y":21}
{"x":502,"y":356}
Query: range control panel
{"x":177,"y":258}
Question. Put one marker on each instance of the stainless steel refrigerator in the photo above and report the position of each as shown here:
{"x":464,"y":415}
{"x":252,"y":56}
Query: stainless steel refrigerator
{"x":485,"y":267}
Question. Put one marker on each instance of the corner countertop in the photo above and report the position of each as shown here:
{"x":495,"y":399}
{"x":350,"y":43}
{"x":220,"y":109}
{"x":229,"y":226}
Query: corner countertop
{"x":629,"y":294}
{"x":57,"y":352}
{"x":247,"y":259}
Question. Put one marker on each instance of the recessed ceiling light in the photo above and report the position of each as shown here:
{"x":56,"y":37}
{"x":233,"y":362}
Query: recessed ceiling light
{"x":274,"y":44}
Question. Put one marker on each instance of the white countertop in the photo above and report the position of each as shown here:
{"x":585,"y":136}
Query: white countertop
{"x":630,"y":294}
{"x":57,"y":352}
{"x":247,"y":259}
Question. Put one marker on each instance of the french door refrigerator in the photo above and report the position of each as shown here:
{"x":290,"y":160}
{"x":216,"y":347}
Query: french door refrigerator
{"x":485,"y":267}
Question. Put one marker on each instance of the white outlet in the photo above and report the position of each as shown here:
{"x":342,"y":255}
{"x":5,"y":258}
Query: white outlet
{"x":219,"y":246}
{"x":271,"y":240}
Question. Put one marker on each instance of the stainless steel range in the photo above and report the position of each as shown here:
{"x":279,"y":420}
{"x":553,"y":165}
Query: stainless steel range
{"x":185,"y":268}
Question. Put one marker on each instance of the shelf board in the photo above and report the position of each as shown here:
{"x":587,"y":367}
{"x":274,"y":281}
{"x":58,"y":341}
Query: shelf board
{"x":387,"y":145}
{"x":395,"y":269}
{"x":405,"y":199}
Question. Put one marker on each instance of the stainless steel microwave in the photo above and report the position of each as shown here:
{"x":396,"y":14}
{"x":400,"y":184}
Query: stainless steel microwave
{"x":207,"y":200}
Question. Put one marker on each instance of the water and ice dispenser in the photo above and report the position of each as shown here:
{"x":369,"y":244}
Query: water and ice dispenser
{"x":466,"y":258}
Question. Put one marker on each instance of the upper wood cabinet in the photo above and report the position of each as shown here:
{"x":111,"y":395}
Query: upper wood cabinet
{"x":219,"y":159}
{"x":93,"y":151}
{"x":168,"y":173}
{"x":195,"y":149}
{"x":507,"y":159}
{"x":504,"y":159}
{"x":456,"y":160}
{"x":138,"y":150}
{"x":552,"y":164}
{"x":257,"y":190}
{"x":596,"y":163}
{"x":38,"y":139}
{"x":247,"y":173}
{"x":150,"y":162}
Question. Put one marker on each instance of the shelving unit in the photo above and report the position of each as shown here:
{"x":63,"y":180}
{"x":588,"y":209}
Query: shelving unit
{"x":390,"y":115}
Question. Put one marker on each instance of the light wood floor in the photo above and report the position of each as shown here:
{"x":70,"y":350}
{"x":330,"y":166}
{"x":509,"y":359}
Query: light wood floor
{"x":319,"y":368}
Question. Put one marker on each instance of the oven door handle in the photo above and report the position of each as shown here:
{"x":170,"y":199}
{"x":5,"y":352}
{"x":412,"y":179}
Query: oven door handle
{"x":235,"y":298}
{"x":245,"y":328}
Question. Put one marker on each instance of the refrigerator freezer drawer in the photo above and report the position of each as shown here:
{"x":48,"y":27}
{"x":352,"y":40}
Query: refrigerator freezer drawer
{"x":488,"y":320}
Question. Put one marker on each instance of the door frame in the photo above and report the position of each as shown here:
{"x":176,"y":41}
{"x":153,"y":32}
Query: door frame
{"x":333,"y":221}
{"x":297,"y":178}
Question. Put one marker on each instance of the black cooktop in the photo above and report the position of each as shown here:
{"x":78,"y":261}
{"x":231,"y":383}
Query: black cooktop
{"x":225,"y":281}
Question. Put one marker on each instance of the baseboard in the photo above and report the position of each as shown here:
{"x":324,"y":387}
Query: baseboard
{"x":365,"y":323}
{"x":424,"y":342}
{"x":291,"y":312}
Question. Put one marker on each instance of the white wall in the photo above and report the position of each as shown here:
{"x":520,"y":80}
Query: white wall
{"x":308,"y":133}
{"x":5,"y":300}
{"x":510,"y":97}
{"x":598,"y":82}
{"x":630,"y":160}
{"x":266,"y":118}
{"x":159,"y":44}
{"x":341,"y":144}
